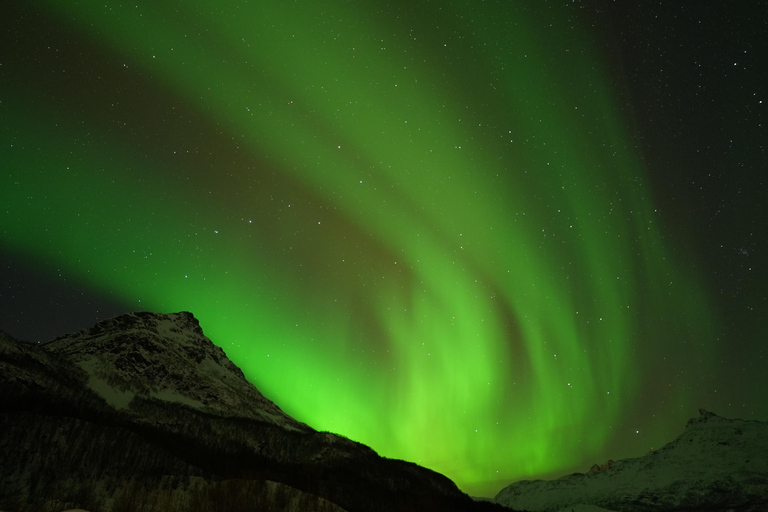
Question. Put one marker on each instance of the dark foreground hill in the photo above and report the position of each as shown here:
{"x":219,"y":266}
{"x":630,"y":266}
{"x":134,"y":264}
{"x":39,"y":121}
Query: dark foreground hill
{"x":142,"y":412}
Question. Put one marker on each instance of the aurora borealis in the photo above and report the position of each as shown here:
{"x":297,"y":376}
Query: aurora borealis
{"x":429,"y":228}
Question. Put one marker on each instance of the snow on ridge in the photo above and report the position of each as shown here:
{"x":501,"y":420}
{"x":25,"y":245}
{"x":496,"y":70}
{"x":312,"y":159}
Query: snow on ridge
{"x":169,"y":358}
{"x":714,"y":459}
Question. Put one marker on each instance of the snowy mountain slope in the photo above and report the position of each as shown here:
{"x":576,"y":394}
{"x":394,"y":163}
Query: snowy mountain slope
{"x":169,"y":358}
{"x":716,"y":464}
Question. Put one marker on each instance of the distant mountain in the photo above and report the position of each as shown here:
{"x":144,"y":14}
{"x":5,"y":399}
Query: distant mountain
{"x":717,"y":464}
{"x":143,"y":412}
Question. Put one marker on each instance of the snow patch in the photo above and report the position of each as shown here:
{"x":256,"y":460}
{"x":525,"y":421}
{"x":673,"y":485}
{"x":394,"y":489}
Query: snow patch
{"x":169,"y":395}
{"x":114,"y":397}
{"x":117,"y":398}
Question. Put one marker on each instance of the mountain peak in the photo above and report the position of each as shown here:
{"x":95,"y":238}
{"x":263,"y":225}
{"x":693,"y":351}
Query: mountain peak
{"x":165,"y":357}
{"x":704,"y":417}
{"x":181,"y":321}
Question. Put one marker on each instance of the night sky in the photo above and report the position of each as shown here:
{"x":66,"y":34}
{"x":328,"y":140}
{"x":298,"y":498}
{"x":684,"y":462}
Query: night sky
{"x":503,"y":240}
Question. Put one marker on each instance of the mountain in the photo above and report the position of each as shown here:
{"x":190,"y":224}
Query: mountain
{"x":166,"y":357}
{"x":144,"y":412}
{"x":717,"y":464}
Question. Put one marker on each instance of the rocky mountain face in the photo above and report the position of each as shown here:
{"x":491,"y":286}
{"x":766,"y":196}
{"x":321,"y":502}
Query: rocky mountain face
{"x":143,"y":412}
{"x":166,"y":357}
{"x":717,"y":464}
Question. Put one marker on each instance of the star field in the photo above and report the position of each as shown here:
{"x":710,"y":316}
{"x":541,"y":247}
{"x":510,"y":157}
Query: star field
{"x":503,"y":240}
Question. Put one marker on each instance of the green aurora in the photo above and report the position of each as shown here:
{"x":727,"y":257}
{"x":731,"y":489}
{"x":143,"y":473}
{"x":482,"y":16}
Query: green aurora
{"x":423,"y":227}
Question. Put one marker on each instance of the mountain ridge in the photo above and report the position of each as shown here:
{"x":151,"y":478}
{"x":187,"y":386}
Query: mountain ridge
{"x":175,"y":360}
{"x":716,"y":464}
{"x":143,"y":409}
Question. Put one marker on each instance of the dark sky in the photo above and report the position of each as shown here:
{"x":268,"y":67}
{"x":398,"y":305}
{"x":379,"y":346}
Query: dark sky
{"x":696,"y":83}
{"x":501,"y":239}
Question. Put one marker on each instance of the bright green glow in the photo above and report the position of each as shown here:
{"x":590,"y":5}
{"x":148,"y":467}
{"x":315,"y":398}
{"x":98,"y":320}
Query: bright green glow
{"x":462,"y":265}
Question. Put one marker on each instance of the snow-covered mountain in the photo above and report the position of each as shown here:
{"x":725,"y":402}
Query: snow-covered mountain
{"x":717,"y":464}
{"x":166,"y":357}
{"x":143,"y":412}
